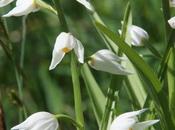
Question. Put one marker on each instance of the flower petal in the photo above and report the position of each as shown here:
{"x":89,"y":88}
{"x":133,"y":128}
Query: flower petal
{"x":132,"y":114}
{"x":171,"y":22}
{"x":86,"y":4}
{"x":57,"y":56}
{"x":123,"y":124}
{"x":20,"y":127}
{"x":107,"y":54}
{"x":144,"y":125}
{"x":5,"y":2}
{"x":22,"y":9}
{"x":65,"y":40}
{"x":108,"y":66}
{"x":138,"y":35}
{"x":79,"y":51}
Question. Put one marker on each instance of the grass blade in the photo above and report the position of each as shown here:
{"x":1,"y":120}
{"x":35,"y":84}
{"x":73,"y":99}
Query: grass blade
{"x":96,"y":96}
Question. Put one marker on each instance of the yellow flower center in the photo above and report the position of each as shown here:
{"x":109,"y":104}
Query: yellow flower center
{"x":130,"y":128}
{"x":66,"y":50}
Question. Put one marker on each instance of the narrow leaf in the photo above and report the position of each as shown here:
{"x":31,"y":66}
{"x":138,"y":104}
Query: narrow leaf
{"x":96,"y":96}
{"x":171,"y":83}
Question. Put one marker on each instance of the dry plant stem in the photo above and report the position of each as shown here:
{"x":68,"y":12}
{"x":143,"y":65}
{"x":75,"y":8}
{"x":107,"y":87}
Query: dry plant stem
{"x":24,"y":18}
{"x":74,"y":70}
{"x":9,"y":52}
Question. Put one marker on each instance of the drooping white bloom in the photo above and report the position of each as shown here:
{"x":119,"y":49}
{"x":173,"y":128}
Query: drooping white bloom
{"x":5,"y":2}
{"x":171,"y":22}
{"x":87,"y":4}
{"x":65,"y":42}
{"x":129,"y":121}
{"x":23,"y":7}
{"x":138,"y":35}
{"x":107,"y":61}
{"x":38,"y":121}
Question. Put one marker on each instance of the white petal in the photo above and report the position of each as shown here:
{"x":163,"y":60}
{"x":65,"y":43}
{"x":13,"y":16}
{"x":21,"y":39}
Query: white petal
{"x":38,"y":121}
{"x":20,"y":10}
{"x":171,"y":22}
{"x":108,"y":66}
{"x":131,"y":114}
{"x":144,"y":125}
{"x":107,"y":54}
{"x":5,"y":2}
{"x":79,"y":51}
{"x":50,"y":124}
{"x":57,"y":56}
{"x":65,"y":40}
{"x":107,"y":61}
{"x":20,"y":127}
{"x":33,"y":120}
{"x":123,"y":124}
{"x":138,"y":35}
{"x":86,"y":4}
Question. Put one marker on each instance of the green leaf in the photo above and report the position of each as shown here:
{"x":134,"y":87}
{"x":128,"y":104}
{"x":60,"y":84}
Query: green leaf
{"x":96,"y":96}
{"x":171,"y":83}
{"x":136,"y":85}
{"x":77,"y":91}
{"x":51,"y":91}
{"x":166,"y":14}
{"x":137,"y":61}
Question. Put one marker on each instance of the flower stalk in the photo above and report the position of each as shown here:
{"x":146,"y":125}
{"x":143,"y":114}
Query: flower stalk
{"x":74,"y":70}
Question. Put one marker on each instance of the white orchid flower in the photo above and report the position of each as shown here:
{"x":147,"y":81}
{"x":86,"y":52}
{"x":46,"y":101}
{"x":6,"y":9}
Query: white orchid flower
{"x":107,"y":61}
{"x":171,"y":22}
{"x":23,"y":7}
{"x":129,"y":121}
{"x":65,"y":42}
{"x":38,"y":121}
{"x":138,"y":35}
{"x":87,"y":4}
{"x":5,"y":2}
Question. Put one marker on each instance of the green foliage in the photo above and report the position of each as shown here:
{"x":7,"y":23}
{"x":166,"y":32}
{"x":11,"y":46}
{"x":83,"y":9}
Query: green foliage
{"x":27,"y":86}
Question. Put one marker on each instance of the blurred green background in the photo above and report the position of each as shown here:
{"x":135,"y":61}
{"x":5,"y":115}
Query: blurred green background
{"x":51,"y":91}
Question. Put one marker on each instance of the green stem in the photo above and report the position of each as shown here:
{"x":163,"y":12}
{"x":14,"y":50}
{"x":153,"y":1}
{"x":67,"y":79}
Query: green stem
{"x":74,"y":70}
{"x":24,"y":18}
{"x":77,"y":92}
{"x":67,"y":118}
{"x":166,"y":56}
{"x":44,"y":5}
{"x":166,"y":14}
{"x":19,"y":77}
{"x":153,"y":50}
{"x":63,"y":23}
{"x":110,"y":98}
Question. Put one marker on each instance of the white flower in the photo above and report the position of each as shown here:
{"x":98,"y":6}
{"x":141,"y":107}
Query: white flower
{"x":171,"y":22}
{"x":38,"y":121}
{"x":23,"y":7}
{"x":107,"y":61}
{"x":5,"y":2}
{"x":87,"y":4}
{"x":129,"y":121}
{"x":138,"y":35}
{"x":65,"y":42}
{"x":172,"y":3}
